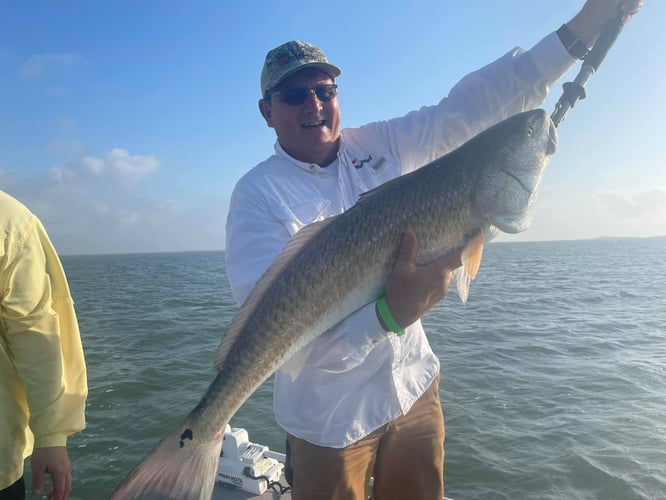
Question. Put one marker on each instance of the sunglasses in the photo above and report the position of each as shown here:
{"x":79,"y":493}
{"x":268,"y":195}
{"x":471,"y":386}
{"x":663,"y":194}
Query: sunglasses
{"x":298,"y":96}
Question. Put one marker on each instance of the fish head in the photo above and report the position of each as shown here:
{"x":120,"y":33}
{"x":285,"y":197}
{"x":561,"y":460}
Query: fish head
{"x":517,"y":151}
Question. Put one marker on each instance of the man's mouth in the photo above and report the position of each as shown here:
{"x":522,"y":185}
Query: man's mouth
{"x":313,"y":124}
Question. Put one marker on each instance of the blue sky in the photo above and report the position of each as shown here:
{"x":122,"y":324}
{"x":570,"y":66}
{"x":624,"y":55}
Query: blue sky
{"x":124,"y":125}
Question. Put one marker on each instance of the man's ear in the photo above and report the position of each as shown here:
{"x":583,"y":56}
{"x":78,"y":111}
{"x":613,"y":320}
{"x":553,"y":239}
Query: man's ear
{"x":266,"y":111}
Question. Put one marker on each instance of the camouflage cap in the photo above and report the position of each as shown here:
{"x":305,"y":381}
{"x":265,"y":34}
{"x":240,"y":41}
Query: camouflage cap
{"x":288,"y":58}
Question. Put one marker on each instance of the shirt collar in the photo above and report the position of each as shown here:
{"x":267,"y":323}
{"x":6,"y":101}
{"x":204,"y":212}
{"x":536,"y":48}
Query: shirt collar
{"x":310,"y":167}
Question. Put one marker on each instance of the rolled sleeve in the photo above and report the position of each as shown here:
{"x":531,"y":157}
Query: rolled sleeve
{"x":515,"y":82}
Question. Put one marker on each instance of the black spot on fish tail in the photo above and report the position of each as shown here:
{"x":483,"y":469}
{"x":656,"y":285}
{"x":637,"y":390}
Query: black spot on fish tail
{"x":187,"y":434}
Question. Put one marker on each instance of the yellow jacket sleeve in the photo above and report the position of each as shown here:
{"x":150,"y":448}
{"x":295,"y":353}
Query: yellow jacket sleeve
{"x":42,"y":367}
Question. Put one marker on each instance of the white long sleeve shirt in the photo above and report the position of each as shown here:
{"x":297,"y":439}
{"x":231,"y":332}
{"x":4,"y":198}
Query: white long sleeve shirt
{"x":357,"y":377}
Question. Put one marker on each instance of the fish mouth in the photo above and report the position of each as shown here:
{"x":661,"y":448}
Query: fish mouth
{"x":519,"y":181}
{"x":516,"y":212}
{"x":551,"y":147}
{"x":513,"y":223}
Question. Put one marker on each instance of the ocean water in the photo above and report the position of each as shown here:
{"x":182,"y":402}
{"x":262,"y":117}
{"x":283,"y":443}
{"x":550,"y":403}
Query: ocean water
{"x":553,"y":374}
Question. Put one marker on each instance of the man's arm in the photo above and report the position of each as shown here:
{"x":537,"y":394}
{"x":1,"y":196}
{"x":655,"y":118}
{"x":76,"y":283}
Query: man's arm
{"x":412,"y":291}
{"x":42,"y":335}
{"x":588,"y":24}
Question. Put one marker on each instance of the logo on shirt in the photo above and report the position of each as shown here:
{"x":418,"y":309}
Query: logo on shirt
{"x":360,"y":163}
{"x":376,"y":166}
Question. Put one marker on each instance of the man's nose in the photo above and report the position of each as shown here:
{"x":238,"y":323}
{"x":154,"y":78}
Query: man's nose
{"x":312,"y":99}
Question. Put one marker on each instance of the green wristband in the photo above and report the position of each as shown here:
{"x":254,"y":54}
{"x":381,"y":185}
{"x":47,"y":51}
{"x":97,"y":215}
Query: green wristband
{"x":388,"y":318}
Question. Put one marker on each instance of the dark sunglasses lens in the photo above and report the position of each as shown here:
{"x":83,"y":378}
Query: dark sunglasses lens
{"x":296,"y":97}
{"x":326,"y":92}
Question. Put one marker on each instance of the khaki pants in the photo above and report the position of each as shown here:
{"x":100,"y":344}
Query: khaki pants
{"x":406,"y":458}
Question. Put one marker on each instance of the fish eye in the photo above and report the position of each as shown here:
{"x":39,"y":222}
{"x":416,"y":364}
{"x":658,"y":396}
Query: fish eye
{"x":529,"y":132}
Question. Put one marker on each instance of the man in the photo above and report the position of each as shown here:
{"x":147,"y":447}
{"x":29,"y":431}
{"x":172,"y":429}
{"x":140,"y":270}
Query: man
{"x":366,"y":400}
{"x":43,"y":384}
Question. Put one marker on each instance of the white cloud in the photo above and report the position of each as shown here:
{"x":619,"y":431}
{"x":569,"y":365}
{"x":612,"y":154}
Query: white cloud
{"x":97,"y":205}
{"x":131,"y":169}
{"x":39,"y":65}
{"x":115,"y":167}
{"x":634,"y":205}
{"x":94,"y":165}
{"x":588,"y":215}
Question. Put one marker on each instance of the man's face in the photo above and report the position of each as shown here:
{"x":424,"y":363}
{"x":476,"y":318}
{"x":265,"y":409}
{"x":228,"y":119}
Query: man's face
{"x":310,"y":131}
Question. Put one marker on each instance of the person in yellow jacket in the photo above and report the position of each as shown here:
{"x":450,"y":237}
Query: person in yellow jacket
{"x":43,"y":385}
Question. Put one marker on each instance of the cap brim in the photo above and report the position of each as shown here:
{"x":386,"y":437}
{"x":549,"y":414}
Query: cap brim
{"x":331,"y":69}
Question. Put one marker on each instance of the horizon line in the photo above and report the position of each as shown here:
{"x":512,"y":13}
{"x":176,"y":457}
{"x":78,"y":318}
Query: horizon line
{"x":159,"y":252}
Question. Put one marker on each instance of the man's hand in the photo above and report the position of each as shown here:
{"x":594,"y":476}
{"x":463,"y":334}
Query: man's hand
{"x":412,"y":291}
{"x":53,"y":461}
{"x":589,"y":22}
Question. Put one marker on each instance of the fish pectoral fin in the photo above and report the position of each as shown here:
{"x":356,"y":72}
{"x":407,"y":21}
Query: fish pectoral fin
{"x":471,"y":261}
{"x":471,"y":255}
{"x":294,"y":365}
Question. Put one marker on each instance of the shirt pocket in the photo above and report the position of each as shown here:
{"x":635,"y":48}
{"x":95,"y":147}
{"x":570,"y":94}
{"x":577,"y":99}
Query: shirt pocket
{"x":299,"y":214}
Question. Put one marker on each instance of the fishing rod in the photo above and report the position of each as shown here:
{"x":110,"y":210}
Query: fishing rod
{"x":573,"y":91}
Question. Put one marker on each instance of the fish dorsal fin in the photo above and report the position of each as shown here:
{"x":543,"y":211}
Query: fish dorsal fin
{"x":471,"y":261}
{"x":297,"y":242}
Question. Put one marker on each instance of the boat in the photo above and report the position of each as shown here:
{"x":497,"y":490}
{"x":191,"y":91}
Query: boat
{"x":249,"y":471}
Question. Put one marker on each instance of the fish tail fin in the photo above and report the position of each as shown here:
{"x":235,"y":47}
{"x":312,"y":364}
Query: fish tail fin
{"x":178,"y":468}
